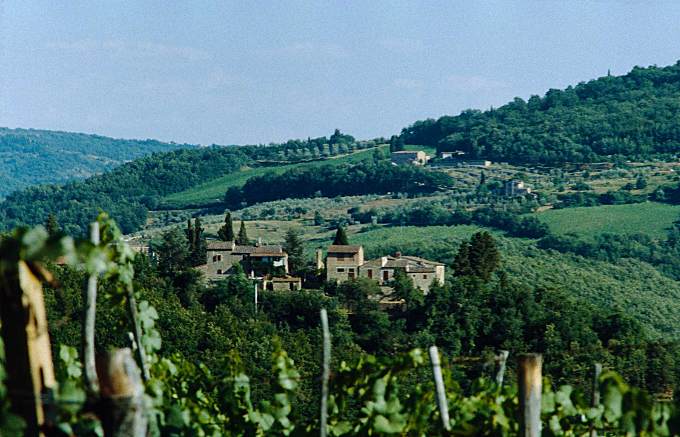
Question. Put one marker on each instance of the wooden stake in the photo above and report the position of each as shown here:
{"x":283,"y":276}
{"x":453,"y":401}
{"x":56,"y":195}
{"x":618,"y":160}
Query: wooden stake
{"x":90,"y":370}
{"x":502,"y":360}
{"x":442,"y":403}
{"x":530,"y":388}
{"x":141,"y":353}
{"x":326,"y":372}
{"x":23,"y":323}
{"x":121,"y":408}
{"x":595,"y":399}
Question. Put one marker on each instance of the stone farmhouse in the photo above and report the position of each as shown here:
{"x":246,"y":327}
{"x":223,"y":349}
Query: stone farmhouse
{"x":416,"y":157}
{"x":347,"y":262}
{"x":269,"y":264}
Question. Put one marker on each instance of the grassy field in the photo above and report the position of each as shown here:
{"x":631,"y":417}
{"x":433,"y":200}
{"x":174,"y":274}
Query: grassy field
{"x":213,"y":191}
{"x":649,"y":218}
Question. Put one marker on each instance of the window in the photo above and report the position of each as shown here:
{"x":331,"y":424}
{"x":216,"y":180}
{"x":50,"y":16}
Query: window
{"x":369,"y":273}
{"x":219,"y":271}
{"x":351,"y":269}
{"x":386,"y":275}
{"x":214,"y":258}
{"x":341,"y":270}
{"x":219,"y":257}
{"x":424,"y":276}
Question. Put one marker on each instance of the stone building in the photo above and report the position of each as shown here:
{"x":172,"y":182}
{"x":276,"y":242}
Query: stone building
{"x":257,"y":261}
{"x":347,"y":262}
{"x":343,"y":262}
{"x":415,"y":157}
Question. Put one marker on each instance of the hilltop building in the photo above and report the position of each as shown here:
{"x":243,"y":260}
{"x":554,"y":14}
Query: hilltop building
{"x":515,"y":188}
{"x":347,"y":262}
{"x":408,"y":157}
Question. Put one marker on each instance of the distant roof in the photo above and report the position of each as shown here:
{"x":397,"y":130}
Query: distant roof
{"x":406,"y":152}
{"x":343,"y":249}
{"x":260,"y":250}
{"x":413,"y":263}
{"x":286,"y":279}
{"x":220,"y":245}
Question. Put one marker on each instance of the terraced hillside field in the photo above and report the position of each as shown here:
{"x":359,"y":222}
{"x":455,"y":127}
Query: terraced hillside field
{"x":650,"y":218}
{"x":213,"y":191}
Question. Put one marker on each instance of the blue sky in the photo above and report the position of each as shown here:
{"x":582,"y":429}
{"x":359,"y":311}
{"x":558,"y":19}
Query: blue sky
{"x":263,"y":71}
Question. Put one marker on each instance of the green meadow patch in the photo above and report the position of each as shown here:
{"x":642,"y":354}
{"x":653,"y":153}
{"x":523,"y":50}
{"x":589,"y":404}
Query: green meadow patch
{"x":650,"y":218}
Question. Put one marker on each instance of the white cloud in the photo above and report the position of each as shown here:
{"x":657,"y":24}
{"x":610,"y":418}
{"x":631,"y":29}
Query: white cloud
{"x":130,"y":49}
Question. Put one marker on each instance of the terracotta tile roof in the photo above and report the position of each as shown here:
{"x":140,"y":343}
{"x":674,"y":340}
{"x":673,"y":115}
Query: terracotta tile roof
{"x":343,"y":249}
{"x":220,"y":245}
{"x":286,"y":279}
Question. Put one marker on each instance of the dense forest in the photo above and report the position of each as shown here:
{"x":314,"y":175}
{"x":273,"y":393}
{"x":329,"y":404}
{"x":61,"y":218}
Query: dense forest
{"x":31,"y":156}
{"x":377,"y":177}
{"x":633,"y":116}
{"x":129,"y":191}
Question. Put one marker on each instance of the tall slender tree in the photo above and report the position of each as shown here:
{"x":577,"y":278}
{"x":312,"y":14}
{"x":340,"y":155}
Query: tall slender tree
{"x":199,"y":253}
{"x":52,"y":225}
{"x":294,"y":249}
{"x":242,"y":238}
{"x":191,"y":236}
{"x":226,"y":232}
{"x":340,"y":237}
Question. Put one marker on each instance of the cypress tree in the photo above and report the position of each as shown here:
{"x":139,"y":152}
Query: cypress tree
{"x":340,"y":237}
{"x":191,"y":236}
{"x":461,"y":263}
{"x":52,"y":225}
{"x":226,"y":232}
{"x":198,"y":256}
{"x":484,"y":256}
{"x":242,"y":238}
{"x":294,"y":249}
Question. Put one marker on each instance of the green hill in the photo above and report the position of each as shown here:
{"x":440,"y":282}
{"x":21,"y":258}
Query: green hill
{"x":30,"y":156}
{"x":213,"y":190}
{"x":635,"y":115}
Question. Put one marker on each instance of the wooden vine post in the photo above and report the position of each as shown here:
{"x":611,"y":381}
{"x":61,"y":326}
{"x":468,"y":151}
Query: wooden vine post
{"x":27,"y":344}
{"x":326,"y":372}
{"x":442,"y":403}
{"x":89,"y":366}
{"x":530,"y":389}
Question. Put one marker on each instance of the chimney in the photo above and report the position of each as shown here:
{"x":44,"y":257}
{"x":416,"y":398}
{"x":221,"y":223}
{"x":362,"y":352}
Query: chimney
{"x":319,"y":259}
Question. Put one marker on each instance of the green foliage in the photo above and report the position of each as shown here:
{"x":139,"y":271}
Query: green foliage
{"x":340,"y":237}
{"x":32,"y":157}
{"x":613,"y":116}
{"x":242,"y":235}
{"x":226,"y":232}
{"x":294,"y":248}
{"x":363,"y":178}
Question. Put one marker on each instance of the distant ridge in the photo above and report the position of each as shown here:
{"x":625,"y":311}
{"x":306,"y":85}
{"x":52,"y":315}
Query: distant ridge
{"x":32,"y":156}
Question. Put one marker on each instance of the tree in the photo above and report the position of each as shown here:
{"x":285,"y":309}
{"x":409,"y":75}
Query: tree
{"x":340,"y":237}
{"x":318,"y":219}
{"x":461,"y":263}
{"x":242,"y":238}
{"x":200,"y":250}
{"x":173,"y":253}
{"x":484,"y":256}
{"x":396,"y":143}
{"x":52,"y":225}
{"x":294,"y":249}
{"x":226,"y":232}
{"x":641,"y":183}
{"x":191,"y":236}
